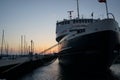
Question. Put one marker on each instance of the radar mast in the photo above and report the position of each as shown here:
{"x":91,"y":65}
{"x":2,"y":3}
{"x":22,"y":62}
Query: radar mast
{"x":77,"y":9}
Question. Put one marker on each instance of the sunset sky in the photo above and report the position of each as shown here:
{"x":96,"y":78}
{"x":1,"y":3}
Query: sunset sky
{"x":36,"y":19}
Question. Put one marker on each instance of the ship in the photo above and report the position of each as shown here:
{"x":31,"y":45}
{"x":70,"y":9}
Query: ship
{"x":88,"y":43}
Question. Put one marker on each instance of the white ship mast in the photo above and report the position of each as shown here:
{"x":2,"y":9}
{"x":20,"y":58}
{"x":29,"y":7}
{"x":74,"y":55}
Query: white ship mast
{"x":78,"y":9}
{"x":70,"y":12}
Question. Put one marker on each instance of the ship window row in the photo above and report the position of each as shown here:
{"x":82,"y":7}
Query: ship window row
{"x":78,"y":30}
{"x":83,"y":21}
{"x":76,"y":21}
{"x":63,"y":23}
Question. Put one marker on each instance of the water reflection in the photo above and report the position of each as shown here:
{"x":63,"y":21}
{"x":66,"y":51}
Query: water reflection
{"x":76,"y":74}
{"x":55,"y":71}
{"x":47,"y":72}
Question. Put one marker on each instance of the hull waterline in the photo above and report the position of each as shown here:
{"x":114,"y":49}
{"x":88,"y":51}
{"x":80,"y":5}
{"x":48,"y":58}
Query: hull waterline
{"x":93,"y":51}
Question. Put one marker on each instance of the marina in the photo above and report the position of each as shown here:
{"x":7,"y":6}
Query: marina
{"x":83,"y":47}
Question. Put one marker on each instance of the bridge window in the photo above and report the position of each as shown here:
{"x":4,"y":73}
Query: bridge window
{"x":80,"y":30}
{"x":63,"y":23}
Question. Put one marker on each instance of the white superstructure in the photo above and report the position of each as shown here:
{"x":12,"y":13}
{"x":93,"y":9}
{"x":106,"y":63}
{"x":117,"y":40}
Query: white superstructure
{"x":83,"y":26}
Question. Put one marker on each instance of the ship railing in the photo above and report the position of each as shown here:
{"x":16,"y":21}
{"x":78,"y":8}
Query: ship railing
{"x":111,"y":15}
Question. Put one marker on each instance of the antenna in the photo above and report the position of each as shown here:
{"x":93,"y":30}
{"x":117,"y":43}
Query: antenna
{"x":105,"y":1}
{"x":106,"y":9}
{"x":70,"y":13}
{"x":78,"y":8}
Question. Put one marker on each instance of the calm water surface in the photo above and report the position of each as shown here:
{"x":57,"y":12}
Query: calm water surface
{"x":53,"y":72}
{"x":48,"y":72}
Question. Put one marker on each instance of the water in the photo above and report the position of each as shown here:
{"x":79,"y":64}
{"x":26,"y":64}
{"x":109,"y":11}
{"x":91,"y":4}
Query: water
{"x":116,"y":70}
{"x":55,"y":72}
{"x":48,"y":72}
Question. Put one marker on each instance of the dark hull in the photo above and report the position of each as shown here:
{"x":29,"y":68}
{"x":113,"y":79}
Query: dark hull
{"x":92,"y":51}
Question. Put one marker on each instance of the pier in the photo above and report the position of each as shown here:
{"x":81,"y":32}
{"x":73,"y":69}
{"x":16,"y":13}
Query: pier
{"x":39,"y":41}
{"x":22,"y":64}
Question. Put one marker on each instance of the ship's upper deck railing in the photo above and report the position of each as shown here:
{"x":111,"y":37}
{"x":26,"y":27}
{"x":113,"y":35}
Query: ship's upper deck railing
{"x":111,"y":15}
{"x":74,"y":21}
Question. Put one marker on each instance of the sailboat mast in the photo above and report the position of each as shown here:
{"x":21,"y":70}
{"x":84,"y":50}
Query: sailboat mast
{"x":32,"y":46}
{"x":21,"y":44}
{"x":78,"y":8}
{"x":2,"y":42}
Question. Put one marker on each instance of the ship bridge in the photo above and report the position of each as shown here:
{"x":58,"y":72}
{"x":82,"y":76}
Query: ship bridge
{"x":67,"y":25}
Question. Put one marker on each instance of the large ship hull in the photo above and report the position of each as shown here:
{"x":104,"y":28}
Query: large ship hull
{"x":95,"y":51}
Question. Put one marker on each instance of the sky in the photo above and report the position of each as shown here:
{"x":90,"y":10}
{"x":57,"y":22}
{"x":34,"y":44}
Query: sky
{"x":36,"y":19}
